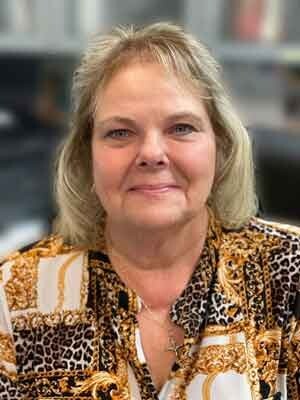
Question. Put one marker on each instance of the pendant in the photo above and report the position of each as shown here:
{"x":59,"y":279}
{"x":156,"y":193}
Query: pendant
{"x":173,"y":346}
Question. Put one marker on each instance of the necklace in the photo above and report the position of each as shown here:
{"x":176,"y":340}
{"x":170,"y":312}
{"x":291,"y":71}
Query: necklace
{"x":172,"y":345}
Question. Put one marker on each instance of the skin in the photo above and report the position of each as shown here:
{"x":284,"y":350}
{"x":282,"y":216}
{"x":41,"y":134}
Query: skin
{"x":154,"y":155}
{"x":153,"y":151}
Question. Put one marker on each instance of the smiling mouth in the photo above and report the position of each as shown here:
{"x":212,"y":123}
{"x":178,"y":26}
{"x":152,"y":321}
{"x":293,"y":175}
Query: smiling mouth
{"x":153,"y":189}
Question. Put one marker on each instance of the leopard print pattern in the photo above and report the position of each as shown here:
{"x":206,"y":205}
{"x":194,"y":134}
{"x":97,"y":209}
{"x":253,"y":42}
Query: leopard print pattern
{"x":247,"y":276}
{"x":42,"y":350}
{"x":266,"y":246}
{"x":52,"y":348}
{"x":8,"y":389}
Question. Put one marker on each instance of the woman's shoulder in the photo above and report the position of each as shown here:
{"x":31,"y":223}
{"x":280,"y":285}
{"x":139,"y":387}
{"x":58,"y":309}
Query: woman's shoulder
{"x":280,"y":242}
{"x":40,"y":276}
{"x":267,"y":248}
{"x":263,"y":234}
{"x":50,"y":247}
{"x":276,"y":229}
{"x":266,"y":254}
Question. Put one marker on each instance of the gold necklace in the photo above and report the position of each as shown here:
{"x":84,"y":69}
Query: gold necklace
{"x":172,"y":346}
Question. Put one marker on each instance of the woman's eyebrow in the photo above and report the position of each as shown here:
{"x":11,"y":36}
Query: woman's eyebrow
{"x":188,"y":116}
{"x":115,"y":119}
{"x":193,"y":117}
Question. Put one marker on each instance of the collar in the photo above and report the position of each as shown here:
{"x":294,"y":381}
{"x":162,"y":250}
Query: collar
{"x":190,"y":310}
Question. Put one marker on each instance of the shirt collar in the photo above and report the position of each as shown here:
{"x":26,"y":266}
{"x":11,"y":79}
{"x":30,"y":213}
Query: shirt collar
{"x":190,"y":310}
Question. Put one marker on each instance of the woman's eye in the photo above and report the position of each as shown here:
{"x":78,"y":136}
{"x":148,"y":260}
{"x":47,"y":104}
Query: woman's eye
{"x":118,"y":134}
{"x":183,"y":129}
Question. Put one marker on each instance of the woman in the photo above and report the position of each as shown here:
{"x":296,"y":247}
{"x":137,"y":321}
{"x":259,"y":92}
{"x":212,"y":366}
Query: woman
{"x":160,"y":282}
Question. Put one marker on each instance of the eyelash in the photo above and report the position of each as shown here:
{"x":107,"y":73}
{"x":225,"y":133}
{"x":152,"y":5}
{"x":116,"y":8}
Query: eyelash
{"x":183,"y":125}
{"x":125,"y":133}
{"x":115,"y":134}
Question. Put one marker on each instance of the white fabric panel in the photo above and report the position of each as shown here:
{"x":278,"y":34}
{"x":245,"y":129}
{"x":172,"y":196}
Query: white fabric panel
{"x":73,"y":284}
{"x":225,"y":386}
{"x":167,"y":390}
{"x":133,"y":385}
{"x":6,"y":272}
{"x":139,"y":347}
{"x":281,"y":385}
{"x":222,"y":339}
{"x":49,"y":269}
{"x":5,"y":324}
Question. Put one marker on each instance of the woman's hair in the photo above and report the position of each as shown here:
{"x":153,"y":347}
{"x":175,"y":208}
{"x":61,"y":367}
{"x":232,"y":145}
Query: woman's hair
{"x":232,"y":199}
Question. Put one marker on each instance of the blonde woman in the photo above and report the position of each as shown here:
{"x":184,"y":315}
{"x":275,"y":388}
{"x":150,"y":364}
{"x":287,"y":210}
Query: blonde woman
{"x":159,"y":282}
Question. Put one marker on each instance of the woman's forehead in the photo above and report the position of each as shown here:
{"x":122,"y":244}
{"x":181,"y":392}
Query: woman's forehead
{"x":147,"y":92}
{"x":150,"y":66}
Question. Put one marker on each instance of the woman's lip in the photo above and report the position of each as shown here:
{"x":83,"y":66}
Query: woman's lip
{"x":155,"y":189}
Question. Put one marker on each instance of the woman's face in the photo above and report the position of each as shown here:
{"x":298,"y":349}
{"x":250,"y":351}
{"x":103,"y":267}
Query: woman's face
{"x":153,"y":149}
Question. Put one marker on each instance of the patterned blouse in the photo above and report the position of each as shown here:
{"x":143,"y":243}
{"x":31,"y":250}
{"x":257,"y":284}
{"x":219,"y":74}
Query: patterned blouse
{"x":69,"y":330}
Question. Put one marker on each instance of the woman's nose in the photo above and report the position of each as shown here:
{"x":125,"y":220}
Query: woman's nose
{"x":152,"y":151}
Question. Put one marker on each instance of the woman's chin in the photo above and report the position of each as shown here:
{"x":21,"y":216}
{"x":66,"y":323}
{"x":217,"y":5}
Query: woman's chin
{"x":156,"y":220}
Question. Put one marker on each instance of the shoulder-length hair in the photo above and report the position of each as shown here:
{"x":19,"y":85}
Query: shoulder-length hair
{"x":232,"y":198}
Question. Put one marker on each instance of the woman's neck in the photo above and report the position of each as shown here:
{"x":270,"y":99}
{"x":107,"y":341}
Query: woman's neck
{"x":157,"y":266}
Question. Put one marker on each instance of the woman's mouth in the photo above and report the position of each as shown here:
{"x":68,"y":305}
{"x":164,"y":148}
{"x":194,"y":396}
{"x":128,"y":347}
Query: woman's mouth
{"x":154,"y":189}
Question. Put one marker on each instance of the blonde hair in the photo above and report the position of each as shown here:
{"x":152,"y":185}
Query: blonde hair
{"x":232,"y":198}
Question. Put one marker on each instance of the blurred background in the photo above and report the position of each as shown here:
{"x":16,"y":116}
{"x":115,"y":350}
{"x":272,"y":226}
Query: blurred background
{"x":256,"y":41}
